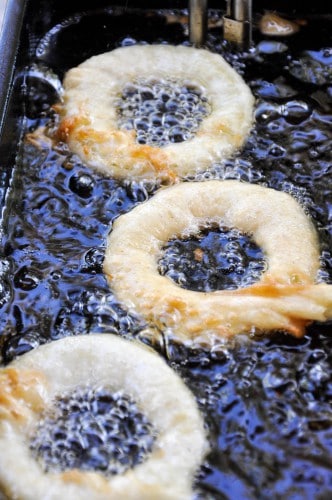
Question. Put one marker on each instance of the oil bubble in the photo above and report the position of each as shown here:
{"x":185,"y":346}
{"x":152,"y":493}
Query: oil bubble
{"x":295,"y":111}
{"x":82,"y":185}
{"x":271,"y":47}
{"x":26,"y":278}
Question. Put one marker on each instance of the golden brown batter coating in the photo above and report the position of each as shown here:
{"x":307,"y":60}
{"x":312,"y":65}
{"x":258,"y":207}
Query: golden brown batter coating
{"x":285,"y":298}
{"x":32,"y":382}
{"x":22,"y":394}
{"x":275,"y":25}
{"x":89,"y":112}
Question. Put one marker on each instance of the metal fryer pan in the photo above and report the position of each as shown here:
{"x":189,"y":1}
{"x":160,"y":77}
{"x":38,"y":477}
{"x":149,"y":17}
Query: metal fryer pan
{"x":266,"y":401}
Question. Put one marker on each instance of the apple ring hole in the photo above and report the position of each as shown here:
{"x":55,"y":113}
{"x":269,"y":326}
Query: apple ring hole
{"x":215,"y":259}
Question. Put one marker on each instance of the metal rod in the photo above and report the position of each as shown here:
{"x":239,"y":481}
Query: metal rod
{"x":197,"y":21}
{"x":242,"y":10}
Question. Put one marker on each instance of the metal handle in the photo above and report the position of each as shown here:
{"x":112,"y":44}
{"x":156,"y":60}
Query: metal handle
{"x":238,"y":22}
{"x":197,"y":21}
{"x":239,"y":10}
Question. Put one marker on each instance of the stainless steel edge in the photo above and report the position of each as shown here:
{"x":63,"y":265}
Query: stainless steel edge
{"x":11,"y":16}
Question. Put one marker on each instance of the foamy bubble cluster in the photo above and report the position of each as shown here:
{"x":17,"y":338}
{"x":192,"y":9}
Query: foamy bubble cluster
{"x":217,"y":259}
{"x":162,"y":112}
{"x":93,"y":429}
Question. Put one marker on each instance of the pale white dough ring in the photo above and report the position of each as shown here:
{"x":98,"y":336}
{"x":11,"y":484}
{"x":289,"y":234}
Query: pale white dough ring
{"x":89,"y":111}
{"x":285,"y":298}
{"x":29,"y":385}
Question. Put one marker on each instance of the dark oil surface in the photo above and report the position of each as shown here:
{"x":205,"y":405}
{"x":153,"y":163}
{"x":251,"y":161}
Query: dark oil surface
{"x":266,"y":400}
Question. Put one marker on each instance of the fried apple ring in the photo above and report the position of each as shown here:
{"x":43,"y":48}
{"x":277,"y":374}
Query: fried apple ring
{"x":32,"y":382}
{"x":90,"y":111}
{"x":286,"y":297}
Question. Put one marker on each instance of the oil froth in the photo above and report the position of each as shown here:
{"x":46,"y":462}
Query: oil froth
{"x":92,"y":430}
{"x":215,"y":260}
{"x":162,"y":112}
